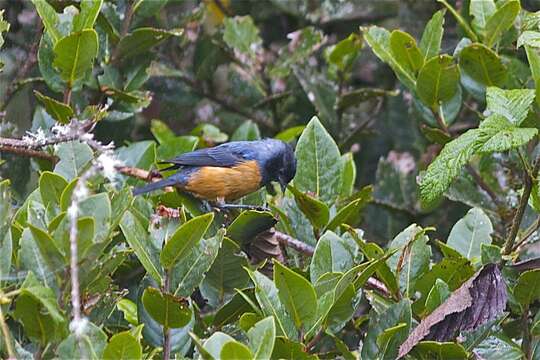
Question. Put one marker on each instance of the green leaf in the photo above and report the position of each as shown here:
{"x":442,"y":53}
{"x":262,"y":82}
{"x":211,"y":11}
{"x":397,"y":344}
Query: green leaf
{"x":332,"y":254}
{"x":318,"y":163}
{"x":437,"y":81}
{"x":460,"y":20}
{"x":168,"y":310}
{"x":490,"y":254}
{"x":75,"y":54}
{"x":248,"y":131}
{"x":344,"y":53}
{"x":498,"y":346}
{"x":161,"y":131}
{"x":483,"y":65}
{"x":533,"y":56}
{"x":137,"y":238}
{"x":188,"y":274}
{"x":213,"y":345}
{"x":147,"y":8}
{"x":287,"y":349}
{"x":481,"y":11}
{"x":469,"y":233}
{"x":36,"y":308}
{"x":504,"y":134}
{"x":433,"y":350}
{"x":184,"y":239}
{"x":49,"y":17}
{"x":123,"y":346}
{"x":348,"y":176}
{"x":233,"y":350}
{"x":268,"y":298}
{"x":430,"y":44}
{"x":414,"y":253}
{"x":512,"y":104}
{"x":225,"y":274}
{"x":316,"y":211}
{"x":241,"y":34}
{"x":86,"y":18}
{"x":291,"y":133}
{"x":453,"y":271}
{"x":129,"y":309}
{"x":51,"y":186}
{"x":501,"y":21}
{"x":239,"y":304}
{"x":262,"y":337}
{"x":6,"y":241}
{"x":29,"y":258}
{"x":74,"y":157}
{"x":4,"y":27}
{"x":49,"y":251}
{"x":530,"y":38}
{"x":297,"y":295}
{"x":379,"y":40}
{"x":349,"y":212}
{"x":249,"y":224}
{"x":89,"y":346}
{"x":447,"y":166}
{"x":437,"y":295}
{"x":141,"y":40}
{"x":405,"y":51}
{"x":58,"y":110}
{"x":526,"y":290}
{"x":394,"y":315}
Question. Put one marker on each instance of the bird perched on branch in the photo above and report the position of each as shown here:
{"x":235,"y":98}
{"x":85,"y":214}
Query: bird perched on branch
{"x":229,"y":171}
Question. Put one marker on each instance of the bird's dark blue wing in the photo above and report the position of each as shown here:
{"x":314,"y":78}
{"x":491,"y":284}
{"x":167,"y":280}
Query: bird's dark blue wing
{"x":225,"y":155}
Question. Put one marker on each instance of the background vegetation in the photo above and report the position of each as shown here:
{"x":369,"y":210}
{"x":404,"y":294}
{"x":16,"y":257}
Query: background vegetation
{"x":409,"y":231}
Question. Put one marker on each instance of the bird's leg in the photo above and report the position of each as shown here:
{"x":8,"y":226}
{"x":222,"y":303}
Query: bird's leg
{"x":222,"y":205}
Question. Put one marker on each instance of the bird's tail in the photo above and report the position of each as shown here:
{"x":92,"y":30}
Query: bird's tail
{"x":155,"y":186}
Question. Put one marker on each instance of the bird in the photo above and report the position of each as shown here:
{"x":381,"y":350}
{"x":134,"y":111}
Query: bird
{"x":229,"y":171}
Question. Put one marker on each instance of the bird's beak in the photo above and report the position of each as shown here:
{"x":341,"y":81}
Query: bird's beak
{"x":283,"y":185}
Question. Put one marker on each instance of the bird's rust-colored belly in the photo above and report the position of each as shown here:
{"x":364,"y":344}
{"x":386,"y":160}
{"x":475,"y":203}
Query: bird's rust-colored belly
{"x":214,"y":183}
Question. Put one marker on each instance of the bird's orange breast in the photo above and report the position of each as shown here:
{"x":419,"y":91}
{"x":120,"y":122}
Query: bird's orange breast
{"x":213,"y":183}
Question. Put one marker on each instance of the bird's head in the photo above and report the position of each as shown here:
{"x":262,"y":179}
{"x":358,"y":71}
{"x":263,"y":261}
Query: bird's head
{"x":280,"y":165}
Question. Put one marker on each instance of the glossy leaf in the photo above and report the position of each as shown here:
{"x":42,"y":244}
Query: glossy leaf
{"x":123,"y":346}
{"x":297,"y":295}
{"x":483,"y":65}
{"x":75,"y":54}
{"x":49,"y":17}
{"x":184,"y":240}
{"x":168,"y":310}
{"x":501,"y":21}
{"x":188,"y":274}
{"x":332,"y":254}
{"x":51,"y":186}
{"x":526,"y":290}
{"x":437,"y":81}
{"x":58,"y":110}
{"x":143,"y":39}
{"x":137,"y":238}
{"x":430,"y":44}
{"x":316,"y":211}
{"x":318,"y":163}
{"x":405,"y":51}
{"x":469,"y":233}
{"x":88,"y":15}
{"x":261,"y":338}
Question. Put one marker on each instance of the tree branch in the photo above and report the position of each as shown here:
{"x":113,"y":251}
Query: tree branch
{"x":528,"y":179}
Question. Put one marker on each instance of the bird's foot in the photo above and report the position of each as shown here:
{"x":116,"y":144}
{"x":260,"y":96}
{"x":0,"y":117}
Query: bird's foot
{"x":220,"y":207}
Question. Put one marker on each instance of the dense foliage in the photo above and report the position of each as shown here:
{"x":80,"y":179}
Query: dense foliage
{"x":409,"y":231}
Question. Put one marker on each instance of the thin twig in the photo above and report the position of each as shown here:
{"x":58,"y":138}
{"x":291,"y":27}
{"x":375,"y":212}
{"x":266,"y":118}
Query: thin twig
{"x":523,"y":201}
{"x":28,"y":153}
{"x":528,"y":233}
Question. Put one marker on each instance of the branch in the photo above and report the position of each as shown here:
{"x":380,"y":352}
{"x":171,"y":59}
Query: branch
{"x":293,"y":243}
{"x":28,"y":153}
{"x":523,"y":201}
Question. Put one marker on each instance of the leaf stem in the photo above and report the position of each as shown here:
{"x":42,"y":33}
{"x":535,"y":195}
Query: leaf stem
{"x":7,"y":335}
{"x":528,"y":179}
